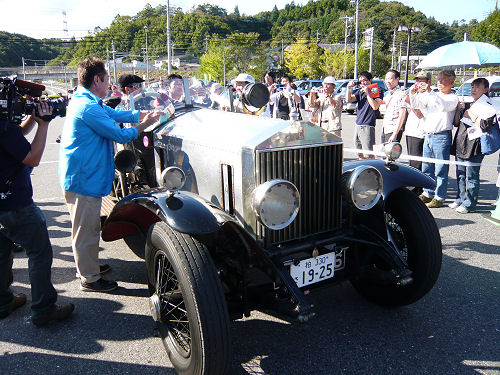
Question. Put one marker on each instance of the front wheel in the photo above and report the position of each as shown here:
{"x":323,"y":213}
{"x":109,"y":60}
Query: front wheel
{"x":187,"y":302}
{"x":413,"y":230}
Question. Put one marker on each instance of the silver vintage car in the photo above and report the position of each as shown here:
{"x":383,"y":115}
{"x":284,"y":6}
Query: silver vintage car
{"x":234,"y":212}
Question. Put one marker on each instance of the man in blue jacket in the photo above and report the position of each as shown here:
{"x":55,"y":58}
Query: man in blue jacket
{"x":86,"y":165}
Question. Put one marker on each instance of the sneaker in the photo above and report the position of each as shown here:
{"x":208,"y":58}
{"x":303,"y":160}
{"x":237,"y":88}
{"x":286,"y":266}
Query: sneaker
{"x":58,"y":313}
{"x":17,"y":301}
{"x":103,"y":268}
{"x":463,"y":210}
{"x":434,"y":203}
{"x":100,"y":285}
{"x":454,"y":205}
{"x":425,"y":198}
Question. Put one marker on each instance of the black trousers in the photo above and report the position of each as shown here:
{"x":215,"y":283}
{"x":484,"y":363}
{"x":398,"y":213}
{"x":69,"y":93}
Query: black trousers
{"x":415,"y":147}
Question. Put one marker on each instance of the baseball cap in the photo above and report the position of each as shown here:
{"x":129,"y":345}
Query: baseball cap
{"x":244,"y":77}
{"x":329,"y":79}
{"x":128,"y":79}
{"x":424,"y":75}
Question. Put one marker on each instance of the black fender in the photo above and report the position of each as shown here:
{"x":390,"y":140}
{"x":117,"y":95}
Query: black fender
{"x":394,"y":175}
{"x":183,"y":211}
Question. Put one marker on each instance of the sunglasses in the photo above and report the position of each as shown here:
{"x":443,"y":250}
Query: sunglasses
{"x":134,"y":85}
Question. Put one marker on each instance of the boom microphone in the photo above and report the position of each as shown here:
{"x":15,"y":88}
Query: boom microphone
{"x":35,"y":88}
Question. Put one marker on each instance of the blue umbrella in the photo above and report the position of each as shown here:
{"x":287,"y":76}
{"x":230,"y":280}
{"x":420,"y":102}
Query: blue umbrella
{"x":462,"y":54}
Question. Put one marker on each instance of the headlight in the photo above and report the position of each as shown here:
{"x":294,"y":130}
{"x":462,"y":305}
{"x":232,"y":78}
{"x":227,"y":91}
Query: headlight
{"x":393,"y":150}
{"x":173,"y":178}
{"x":363,"y":187}
{"x":276,"y":203}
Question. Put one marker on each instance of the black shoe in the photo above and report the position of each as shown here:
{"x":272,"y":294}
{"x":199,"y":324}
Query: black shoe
{"x":17,"y":301}
{"x":58,"y":313}
{"x":100,"y":285}
{"x":103,"y":268}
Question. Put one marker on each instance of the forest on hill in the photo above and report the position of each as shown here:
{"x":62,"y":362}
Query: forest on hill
{"x":205,"y":28}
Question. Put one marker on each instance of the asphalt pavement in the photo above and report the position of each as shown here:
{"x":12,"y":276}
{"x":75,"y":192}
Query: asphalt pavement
{"x":455,"y":329}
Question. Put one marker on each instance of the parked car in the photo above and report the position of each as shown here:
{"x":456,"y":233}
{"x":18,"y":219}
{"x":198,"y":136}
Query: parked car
{"x":494,"y":81}
{"x":234,"y":212}
{"x":303,"y":87}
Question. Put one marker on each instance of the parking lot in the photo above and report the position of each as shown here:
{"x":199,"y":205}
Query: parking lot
{"x":455,"y":329}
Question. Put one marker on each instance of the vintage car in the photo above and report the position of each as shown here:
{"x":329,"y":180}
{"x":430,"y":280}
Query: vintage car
{"x":234,"y":213}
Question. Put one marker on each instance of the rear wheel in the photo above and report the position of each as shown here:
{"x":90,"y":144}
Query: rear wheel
{"x":416,"y":235}
{"x":187,"y":302}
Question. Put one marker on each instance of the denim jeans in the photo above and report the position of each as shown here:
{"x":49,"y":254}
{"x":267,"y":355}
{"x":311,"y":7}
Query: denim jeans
{"x":437,"y":146}
{"x":27,"y":227}
{"x":468,"y":182}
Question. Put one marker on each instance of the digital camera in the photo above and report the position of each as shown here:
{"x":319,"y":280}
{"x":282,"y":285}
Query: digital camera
{"x":18,"y":98}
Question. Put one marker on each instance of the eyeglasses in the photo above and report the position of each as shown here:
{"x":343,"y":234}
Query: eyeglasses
{"x":134,"y":86}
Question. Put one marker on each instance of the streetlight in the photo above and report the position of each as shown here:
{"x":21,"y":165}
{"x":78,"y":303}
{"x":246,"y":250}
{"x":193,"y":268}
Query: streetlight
{"x":410,"y":29}
{"x":147,"y":57}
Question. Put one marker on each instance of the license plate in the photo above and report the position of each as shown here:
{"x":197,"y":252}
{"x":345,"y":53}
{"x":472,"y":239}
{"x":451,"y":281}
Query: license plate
{"x":313,"y":270}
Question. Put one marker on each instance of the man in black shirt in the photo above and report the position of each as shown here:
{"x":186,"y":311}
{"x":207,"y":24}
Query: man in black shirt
{"x":22,"y":222}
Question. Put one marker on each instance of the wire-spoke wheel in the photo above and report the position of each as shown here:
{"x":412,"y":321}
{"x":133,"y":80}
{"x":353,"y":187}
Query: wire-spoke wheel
{"x":412,"y":229}
{"x":187,"y":302}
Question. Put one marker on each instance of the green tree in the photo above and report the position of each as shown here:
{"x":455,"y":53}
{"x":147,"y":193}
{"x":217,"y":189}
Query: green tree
{"x":339,"y":64}
{"x":304,"y":59}
{"x":488,"y":30}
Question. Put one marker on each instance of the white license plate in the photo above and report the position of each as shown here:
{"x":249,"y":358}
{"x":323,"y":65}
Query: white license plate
{"x":313,"y":270}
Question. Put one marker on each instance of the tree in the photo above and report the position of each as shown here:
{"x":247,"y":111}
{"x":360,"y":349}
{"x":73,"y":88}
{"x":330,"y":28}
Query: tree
{"x":339,"y":64}
{"x":303,"y":59}
{"x":488,"y":30}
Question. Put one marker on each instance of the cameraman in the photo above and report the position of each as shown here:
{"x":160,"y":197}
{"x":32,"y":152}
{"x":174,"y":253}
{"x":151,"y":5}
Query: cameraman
{"x":86,"y":165}
{"x":22,"y":222}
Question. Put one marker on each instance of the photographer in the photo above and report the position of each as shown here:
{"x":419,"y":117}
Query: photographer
{"x":86,"y":165}
{"x":327,"y":106}
{"x":22,"y":222}
{"x":285,"y":101}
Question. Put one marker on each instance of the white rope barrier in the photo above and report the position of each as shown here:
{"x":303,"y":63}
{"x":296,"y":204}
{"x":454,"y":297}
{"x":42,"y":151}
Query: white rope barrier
{"x":419,"y":158}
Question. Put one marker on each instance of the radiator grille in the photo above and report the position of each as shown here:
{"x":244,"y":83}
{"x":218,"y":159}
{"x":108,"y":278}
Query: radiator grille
{"x":315,"y":171}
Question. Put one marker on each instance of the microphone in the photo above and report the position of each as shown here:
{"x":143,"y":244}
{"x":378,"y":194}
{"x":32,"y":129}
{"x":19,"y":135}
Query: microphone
{"x":35,"y":88}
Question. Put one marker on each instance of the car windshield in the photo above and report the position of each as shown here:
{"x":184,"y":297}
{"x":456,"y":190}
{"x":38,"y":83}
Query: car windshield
{"x":465,"y":89}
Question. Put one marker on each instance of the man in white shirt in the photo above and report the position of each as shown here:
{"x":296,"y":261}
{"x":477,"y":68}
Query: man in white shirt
{"x":439,"y":108}
{"x":395,"y":113}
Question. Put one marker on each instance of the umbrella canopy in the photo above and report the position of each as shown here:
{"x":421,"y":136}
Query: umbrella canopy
{"x":462,"y":54}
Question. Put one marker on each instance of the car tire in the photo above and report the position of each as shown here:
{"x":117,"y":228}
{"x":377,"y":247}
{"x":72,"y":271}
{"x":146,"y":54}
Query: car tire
{"x":416,"y":234}
{"x":187,"y":302}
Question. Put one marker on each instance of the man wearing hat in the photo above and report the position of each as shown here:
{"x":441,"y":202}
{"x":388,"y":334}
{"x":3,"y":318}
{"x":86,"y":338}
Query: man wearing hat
{"x":129,"y":83}
{"x":327,"y":106}
{"x":240,"y":82}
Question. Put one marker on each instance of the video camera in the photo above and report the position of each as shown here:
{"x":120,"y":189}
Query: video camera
{"x":18,"y":98}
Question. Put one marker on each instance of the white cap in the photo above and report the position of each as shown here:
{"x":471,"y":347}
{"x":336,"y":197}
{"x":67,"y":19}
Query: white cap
{"x":244,"y":77}
{"x":329,"y":79}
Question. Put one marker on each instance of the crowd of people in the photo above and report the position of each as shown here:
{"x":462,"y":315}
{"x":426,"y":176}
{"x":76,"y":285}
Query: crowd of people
{"x":86,"y":168}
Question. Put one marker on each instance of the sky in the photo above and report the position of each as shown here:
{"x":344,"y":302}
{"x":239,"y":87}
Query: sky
{"x":44,"y":18}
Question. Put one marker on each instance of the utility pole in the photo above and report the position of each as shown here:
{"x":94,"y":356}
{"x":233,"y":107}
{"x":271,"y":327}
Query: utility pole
{"x":399,"y":60}
{"x":169,"y":56}
{"x":147,"y":56}
{"x":114,"y":60}
{"x":282,"y":54}
{"x":356,"y":40}
{"x":393,"y":61}
{"x":346,"y":34}
{"x":317,"y":36}
{"x":24,"y":71}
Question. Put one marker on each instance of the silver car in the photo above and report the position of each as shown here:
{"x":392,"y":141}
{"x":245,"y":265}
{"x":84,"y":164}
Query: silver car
{"x":234,"y":212}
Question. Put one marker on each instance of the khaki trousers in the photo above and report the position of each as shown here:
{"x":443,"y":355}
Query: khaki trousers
{"x":85,"y":233}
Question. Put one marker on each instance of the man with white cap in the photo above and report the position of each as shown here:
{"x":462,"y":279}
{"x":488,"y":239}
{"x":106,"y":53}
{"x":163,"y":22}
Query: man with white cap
{"x":327,"y":107}
{"x":240,"y":82}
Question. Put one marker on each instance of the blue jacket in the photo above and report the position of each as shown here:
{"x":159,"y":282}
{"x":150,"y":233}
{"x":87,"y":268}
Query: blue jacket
{"x":86,"y":159}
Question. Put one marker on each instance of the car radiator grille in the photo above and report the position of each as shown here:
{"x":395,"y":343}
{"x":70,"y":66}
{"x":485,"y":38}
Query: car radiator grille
{"x":315,"y":171}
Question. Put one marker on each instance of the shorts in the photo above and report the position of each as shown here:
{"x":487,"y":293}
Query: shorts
{"x":364,"y":137}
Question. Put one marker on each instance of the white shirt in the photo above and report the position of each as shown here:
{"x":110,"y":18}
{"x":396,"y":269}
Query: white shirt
{"x":439,"y":110}
{"x":394,"y":100}
{"x":414,"y":126}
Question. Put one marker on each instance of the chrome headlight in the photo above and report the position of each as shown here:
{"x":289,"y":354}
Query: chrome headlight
{"x":276,"y":203}
{"x":173,"y":178}
{"x":363,"y":187}
{"x":393,"y":150}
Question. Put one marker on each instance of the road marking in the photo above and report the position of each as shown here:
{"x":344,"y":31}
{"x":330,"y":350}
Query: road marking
{"x":49,"y":162}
